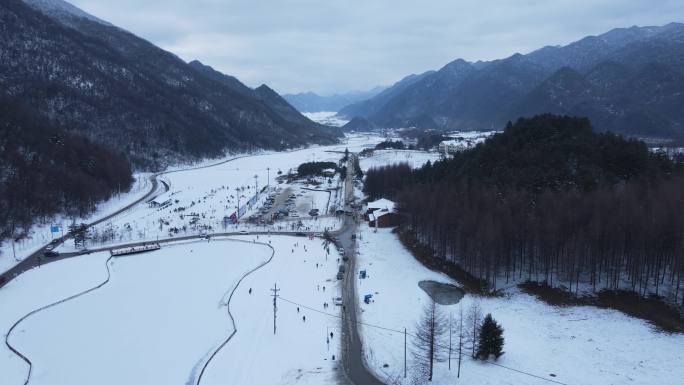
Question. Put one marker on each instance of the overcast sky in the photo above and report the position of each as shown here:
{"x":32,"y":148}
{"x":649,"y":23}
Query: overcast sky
{"x":329,"y":46}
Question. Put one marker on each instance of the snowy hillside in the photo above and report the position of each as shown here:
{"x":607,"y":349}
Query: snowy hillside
{"x":62,"y":10}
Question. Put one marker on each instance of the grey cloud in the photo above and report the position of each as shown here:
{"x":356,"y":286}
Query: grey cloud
{"x":332,"y":46}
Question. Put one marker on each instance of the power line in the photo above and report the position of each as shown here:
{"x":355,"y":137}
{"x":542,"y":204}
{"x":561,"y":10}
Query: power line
{"x":416,"y":336}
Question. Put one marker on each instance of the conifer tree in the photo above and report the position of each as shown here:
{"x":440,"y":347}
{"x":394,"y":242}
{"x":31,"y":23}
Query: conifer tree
{"x":491,"y":339}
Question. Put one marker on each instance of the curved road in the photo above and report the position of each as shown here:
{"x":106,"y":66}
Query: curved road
{"x":36,"y":259}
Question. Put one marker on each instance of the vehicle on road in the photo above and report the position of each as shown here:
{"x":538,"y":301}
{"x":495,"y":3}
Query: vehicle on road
{"x":345,"y":258}
{"x":244,"y":232}
{"x":50,"y":254}
{"x":338,"y":301}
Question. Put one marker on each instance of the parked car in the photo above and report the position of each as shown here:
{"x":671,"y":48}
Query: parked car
{"x":338,"y":301}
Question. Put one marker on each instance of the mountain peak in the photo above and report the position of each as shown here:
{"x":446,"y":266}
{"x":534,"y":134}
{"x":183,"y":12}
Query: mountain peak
{"x":62,"y":11}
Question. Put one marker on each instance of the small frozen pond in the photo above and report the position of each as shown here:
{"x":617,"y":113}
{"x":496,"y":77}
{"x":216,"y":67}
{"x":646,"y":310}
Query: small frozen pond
{"x":442,"y":293}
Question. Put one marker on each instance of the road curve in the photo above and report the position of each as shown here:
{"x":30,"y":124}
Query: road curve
{"x":36,"y":259}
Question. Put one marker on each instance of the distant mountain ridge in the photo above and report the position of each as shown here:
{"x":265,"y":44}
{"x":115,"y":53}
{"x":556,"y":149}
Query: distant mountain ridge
{"x":628,"y":80}
{"x":312,"y":102}
{"x":93,"y":79}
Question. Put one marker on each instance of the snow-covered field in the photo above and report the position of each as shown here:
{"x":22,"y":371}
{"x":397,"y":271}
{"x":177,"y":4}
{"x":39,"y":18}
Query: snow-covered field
{"x":163,"y":313}
{"x":329,"y":118}
{"x":299,"y":351}
{"x":39,"y":234}
{"x":414,"y":158}
{"x":579,"y":345}
{"x":198,"y":199}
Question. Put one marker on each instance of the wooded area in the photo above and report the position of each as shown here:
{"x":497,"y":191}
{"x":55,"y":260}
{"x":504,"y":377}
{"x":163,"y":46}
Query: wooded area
{"x":549,"y":200}
{"x":45,"y":171}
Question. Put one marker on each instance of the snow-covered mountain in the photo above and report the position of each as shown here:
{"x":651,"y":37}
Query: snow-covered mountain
{"x":121,"y":91}
{"x":312,"y":102}
{"x":63,"y":11}
{"x":628,"y":80}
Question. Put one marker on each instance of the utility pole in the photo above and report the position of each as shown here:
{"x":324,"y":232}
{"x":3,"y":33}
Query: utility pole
{"x":268,"y":176}
{"x":460,"y":343}
{"x":275,"y":291}
{"x":256,"y":184}
{"x":449,"y":341}
{"x":404,"y":352}
{"x":237,"y":210}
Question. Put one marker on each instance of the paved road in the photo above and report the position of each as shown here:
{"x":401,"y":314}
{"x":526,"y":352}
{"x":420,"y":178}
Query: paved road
{"x":36,"y":259}
{"x":352,"y":353}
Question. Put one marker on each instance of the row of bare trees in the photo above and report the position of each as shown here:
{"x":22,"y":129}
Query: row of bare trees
{"x":441,"y":337}
{"x":629,"y":236}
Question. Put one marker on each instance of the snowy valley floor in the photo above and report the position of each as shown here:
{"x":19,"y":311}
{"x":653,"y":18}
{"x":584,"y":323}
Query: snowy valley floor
{"x":163,"y":313}
{"x":579,"y":345}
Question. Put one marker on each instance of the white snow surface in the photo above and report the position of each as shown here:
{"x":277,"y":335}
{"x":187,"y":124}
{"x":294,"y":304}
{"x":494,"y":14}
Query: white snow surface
{"x":329,"y":118}
{"x":414,"y":158}
{"x":199,"y":198}
{"x":579,"y":345}
{"x":163,"y":313}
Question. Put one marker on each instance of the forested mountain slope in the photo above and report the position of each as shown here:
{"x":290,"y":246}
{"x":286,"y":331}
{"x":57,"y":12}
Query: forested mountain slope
{"x":628,"y":80}
{"x":44,"y":170}
{"x":102,"y":82}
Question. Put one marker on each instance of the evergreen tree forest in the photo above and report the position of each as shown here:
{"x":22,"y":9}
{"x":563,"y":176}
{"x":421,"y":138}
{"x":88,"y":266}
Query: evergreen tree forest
{"x":45,"y":171}
{"x":549,"y":200}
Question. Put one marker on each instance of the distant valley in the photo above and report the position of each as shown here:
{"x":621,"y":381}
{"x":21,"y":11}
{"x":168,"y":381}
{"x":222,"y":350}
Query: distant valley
{"x":312,"y":102}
